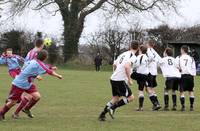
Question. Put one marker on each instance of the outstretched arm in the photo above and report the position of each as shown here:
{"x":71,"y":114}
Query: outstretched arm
{"x":20,"y":58}
{"x":56,"y":75}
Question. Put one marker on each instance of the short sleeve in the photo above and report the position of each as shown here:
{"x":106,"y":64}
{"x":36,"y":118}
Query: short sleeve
{"x":133,"y":60}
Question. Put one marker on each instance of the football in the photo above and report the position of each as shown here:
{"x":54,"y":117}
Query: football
{"x":47,"y":42}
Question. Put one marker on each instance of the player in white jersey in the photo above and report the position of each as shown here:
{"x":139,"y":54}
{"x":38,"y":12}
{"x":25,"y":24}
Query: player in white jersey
{"x":170,"y":71}
{"x":141,"y":76}
{"x":120,"y":80}
{"x":188,"y":71}
{"x":154,"y":58}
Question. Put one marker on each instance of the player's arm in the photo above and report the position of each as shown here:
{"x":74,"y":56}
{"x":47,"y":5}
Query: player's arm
{"x":177,"y":63}
{"x":3,"y":59}
{"x":39,"y":78}
{"x":56,"y":75}
{"x":114,"y":67}
{"x":193,"y":68}
{"x":51,"y":67}
{"x":21,"y":59}
{"x":48,"y":71}
{"x":128,"y":68}
{"x":115,"y":63}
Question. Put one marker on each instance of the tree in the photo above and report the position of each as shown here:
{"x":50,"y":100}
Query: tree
{"x":21,"y":42}
{"x":74,"y":12}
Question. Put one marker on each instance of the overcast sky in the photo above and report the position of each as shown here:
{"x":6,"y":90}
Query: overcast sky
{"x":52,"y":25}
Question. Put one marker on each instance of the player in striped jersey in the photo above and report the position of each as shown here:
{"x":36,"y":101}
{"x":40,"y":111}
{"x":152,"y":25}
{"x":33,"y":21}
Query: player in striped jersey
{"x":188,"y":71}
{"x":24,"y":83}
{"x":32,"y":54}
{"x":170,"y":71}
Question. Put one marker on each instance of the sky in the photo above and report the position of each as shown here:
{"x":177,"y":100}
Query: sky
{"x":52,"y":25}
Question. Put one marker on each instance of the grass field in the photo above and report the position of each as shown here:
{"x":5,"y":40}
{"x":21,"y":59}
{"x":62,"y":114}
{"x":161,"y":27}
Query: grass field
{"x":74,"y":103}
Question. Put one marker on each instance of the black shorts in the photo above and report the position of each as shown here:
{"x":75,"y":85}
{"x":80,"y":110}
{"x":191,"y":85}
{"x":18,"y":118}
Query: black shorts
{"x":120,"y":88}
{"x":152,"y":81}
{"x":172,"y":84}
{"x":141,"y":80}
{"x":186,"y":83}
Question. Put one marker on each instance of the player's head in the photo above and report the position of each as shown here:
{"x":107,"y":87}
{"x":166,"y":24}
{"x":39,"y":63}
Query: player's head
{"x":39,"y":44}
{"x":8,"y":51}
{"x":184,"y":49}
{"x":134,"y":45}
{"x":42,"y":55}
{"x":151,"y":43}
{"x":143,"y":49}
{"x":168,"y":52}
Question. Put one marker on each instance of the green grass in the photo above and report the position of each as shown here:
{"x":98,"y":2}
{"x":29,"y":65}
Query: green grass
{"x":74,"y":103}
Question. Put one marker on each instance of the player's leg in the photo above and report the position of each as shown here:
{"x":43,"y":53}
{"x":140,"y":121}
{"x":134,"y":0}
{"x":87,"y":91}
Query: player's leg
{"x":14,"y":96}
{"x":102,"y":116}
{"x":175,"y":88}
{"x":166,"y":99}
{"x":141,"y":100}
{"x":6,"y":108}
{"x":183,"y":88}
{"x":174,"y":100}
{"x":151,"y":96}
{"x":155,"y":94}
{"x":168,"y":86}
{"x":151,"y":91}
{"x":25,"y":98}
{"x":191,"y":91}
{"x":141,"y":86}
{"x":115,"y":93}
{"x":191,"y":94}
{"x":182,"y":100}
{"x":125,"y":91}
{"x":35,"y":98}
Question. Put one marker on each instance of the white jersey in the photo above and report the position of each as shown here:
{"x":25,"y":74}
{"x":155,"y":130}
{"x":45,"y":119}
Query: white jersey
{"x":169,"y":67}
{"x":153,"y":60}
{"x":120,"y":73}
{"x":186,"y":64}
{"x":142,"y":64}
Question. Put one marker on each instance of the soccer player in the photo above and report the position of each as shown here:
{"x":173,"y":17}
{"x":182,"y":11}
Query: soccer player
{"x":24,"y":83}
{"x":152,"y":83}
{"x":32,"y":54}
{"x":120,"y":80}
{"x":188,"y":71}
{"x":170,"y":71}
{"x":141,"y":76}
{"x":12,"y":61}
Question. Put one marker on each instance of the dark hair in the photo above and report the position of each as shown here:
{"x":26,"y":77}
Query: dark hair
{"x":39,"y":43}
{"x":169,"y":51}
{"x":42,"y":55}
{"x":185,"y":48}
{"x":134,"y":45}
{"x":9,"y":49}
{"x":151,"y":43}
{"x":143,"y":49}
